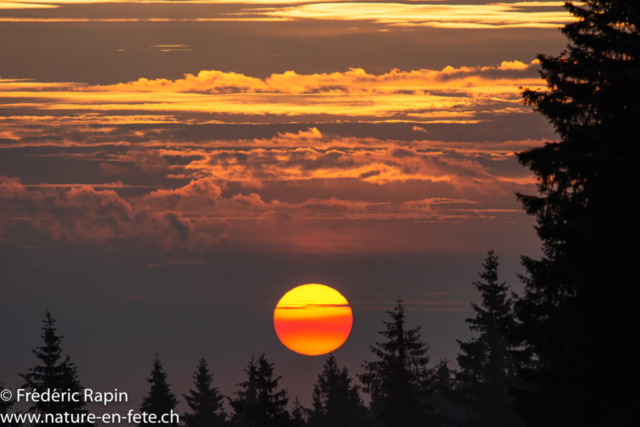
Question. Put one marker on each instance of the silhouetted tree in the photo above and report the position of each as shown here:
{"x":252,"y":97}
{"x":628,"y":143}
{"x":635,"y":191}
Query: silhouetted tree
{"x":245,"y":406}
{"x":576,"y":316}
{"x":298,"y":414}
{"x":260,"y":403}
{"x":54,"y":373}
{"x":445,"y":411}
{"x":160,"y":400}
{"x":5,"y":407}
{"x":205,"y":402}
{"x":336,"y":402}
{"x":397,"y":381}
{"x":486,"y":363}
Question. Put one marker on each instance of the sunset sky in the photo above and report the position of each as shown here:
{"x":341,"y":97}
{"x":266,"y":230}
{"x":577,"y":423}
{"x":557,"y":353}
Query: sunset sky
{"x":170,"y":169}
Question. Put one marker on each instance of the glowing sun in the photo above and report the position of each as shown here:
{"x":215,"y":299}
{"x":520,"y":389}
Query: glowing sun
{"x":313,"y":319}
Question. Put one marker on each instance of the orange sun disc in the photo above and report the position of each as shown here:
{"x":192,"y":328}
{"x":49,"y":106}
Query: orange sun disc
{"x":313,"y":319}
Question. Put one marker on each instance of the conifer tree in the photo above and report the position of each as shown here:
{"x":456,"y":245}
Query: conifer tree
{"x":160,"y":400}
{"x":205,"y":402}
{"x":576,"y":316}
{"x":245,"y":406}
{"x":5,"y":408}
{"x":336,"y":402}
{"x":445,"y":411}
{"x":260,"y":403}
{"x":55,"y":373}
{"x":398,"y":380}
{"x":5,"y":405}
{"x":486,"y":364}
{"x":298,"y":414}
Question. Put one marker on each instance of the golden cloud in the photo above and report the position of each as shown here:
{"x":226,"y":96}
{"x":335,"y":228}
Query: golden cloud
{"x":482,"y":16}
{"x":451,"y":95}
{"x":354,"y":81}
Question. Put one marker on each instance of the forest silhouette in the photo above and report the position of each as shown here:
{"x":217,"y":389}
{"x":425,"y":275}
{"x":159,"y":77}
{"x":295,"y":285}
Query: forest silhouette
{"x":560,"y":354}
{"x":403,"y":389}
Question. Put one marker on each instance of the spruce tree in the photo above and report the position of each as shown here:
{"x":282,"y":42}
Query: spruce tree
{"x":5,"y":408}
{"x":260,"y":403}
{"x":486,"y":364}
{"x":397,"y":380}
{"x":160,"y":400}
{"x":298,"y":414}
{"x":55,"y":373}
{"x":205,"y":402}
{"x":5,"y":405}
{"x":577,"y":321}
{"x":336,"y":402}
{"x":245,"y":406}
{"x":445,"y":412}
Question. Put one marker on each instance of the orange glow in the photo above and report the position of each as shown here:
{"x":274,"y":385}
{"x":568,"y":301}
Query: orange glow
{"x":313,"y":319}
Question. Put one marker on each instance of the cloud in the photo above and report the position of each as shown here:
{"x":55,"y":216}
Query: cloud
{"x":462,"y":16}
{"x":117,"y":184}
{"x":451,"y":95}
{"x":25,"y":4}
{"x":178,"y":262}
{"x":307,"y":155}
{"x":83,"y":214}
{"x":355,"y":81}
{"x":295,"y":158}
{"x":122,"y":20}
{"x":535,"y":14}
{"x":198,"y":217}
{"x":415,"y":305}
{"x":178,"y":164}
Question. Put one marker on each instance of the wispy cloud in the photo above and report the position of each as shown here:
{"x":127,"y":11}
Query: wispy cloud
{"x":462,"y":16}
{"x":178,"y":262}
{"x":415,"y":305}
{"x":118,"y":184}
{"x":121,"y":20}
{"x":535,"y":14}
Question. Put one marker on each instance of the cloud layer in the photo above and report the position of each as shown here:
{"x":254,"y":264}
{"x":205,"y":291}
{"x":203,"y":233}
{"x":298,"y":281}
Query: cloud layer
{"x":434,"y":14}
{"x":144,"y":161}
{"x":463,"y":16}
{"x":462,"y":95}
{"x":295,"y":191}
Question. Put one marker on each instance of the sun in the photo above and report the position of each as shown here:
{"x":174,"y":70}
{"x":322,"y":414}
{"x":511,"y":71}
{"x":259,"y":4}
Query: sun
{"x":313,"y":319}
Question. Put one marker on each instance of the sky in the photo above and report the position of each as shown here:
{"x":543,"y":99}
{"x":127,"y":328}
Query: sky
{"x":170,"y":169}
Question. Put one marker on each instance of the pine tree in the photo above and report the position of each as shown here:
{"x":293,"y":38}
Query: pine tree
{"x":205,"y":402}
{"x":336,"y":402}
{"x":6,"y":407}
{"x":397,"y":381}
{"x":576,"y":315}
{"x":245,"y":406}
{"x":298,"y":414}
{"x":445,"y":411}
{"x":56,"y":373}
{"x":260,"y":403}
{"x":160,"y":401}
{"x":486,"y":364}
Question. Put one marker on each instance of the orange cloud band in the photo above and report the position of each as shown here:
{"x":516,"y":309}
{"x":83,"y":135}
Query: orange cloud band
{"x":354,"y":81}
{"x":451,"y":95}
